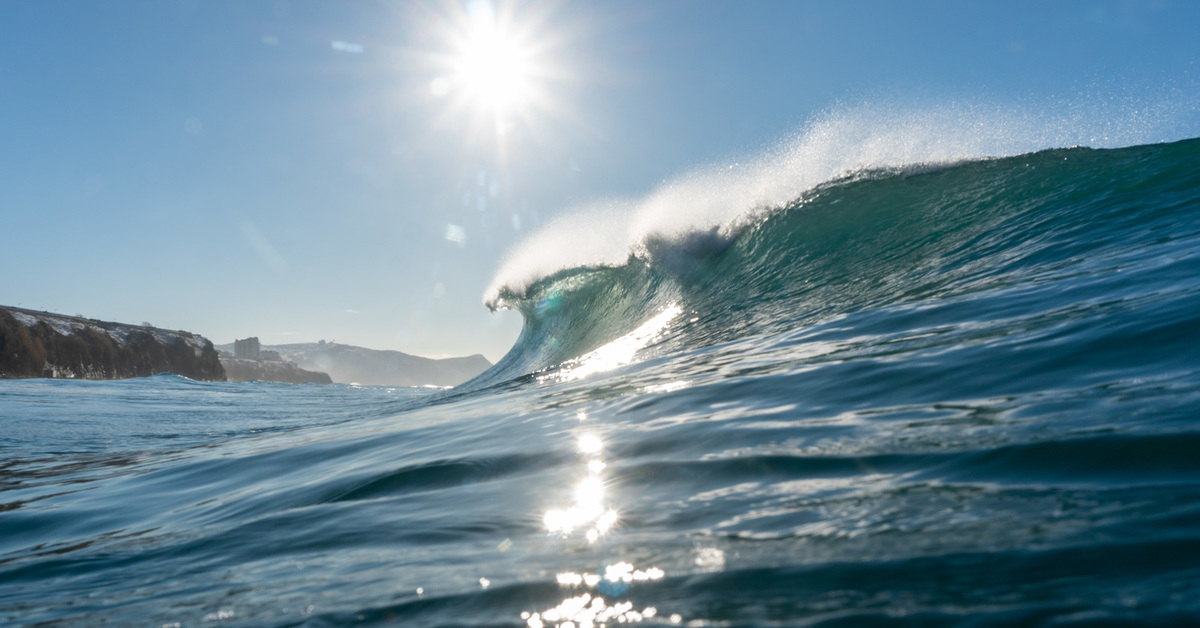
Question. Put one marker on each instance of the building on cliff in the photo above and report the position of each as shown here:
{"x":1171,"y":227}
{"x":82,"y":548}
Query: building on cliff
{"x":247,"y":349}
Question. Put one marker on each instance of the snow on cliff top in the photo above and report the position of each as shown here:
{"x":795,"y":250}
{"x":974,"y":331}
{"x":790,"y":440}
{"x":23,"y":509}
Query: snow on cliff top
{"x":68,"y":325}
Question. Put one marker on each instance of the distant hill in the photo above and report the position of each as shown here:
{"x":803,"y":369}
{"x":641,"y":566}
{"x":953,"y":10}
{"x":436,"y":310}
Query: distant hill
{"x":349,"y":364}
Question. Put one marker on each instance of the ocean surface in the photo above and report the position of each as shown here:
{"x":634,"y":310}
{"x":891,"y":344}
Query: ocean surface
{"x":928,"y":392}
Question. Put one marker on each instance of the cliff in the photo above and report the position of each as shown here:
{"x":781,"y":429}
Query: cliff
{"x":41,"y":344}
{"x":270,"y":371}
{"x":349,"y":364}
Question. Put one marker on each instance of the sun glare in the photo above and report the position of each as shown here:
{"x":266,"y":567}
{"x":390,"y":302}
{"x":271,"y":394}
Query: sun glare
{"x":494,"y":68}
{"x":500,"y":71}
{"x":492,"y":65}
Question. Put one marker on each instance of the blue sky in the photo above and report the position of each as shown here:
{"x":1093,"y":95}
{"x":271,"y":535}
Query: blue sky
{"x":318,"y":170}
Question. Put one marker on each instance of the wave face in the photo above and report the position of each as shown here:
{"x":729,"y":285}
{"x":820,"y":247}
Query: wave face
{"x":978,"y":239}
{"x":958,"y":393}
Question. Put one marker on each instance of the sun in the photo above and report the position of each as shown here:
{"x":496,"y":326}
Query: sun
{"x":493,"y":65}
{"x":494,"y":68}
{"x":500,"y":72}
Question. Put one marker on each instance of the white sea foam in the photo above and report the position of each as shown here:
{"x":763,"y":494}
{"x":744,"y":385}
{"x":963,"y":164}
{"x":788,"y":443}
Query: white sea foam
{"x":837,"y":144}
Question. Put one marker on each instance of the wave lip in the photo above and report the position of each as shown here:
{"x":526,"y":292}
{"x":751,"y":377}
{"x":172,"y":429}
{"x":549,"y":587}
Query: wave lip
{"x":841,"y":144}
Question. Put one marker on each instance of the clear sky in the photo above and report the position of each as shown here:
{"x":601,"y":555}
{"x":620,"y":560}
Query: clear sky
{"x":356,"y":171}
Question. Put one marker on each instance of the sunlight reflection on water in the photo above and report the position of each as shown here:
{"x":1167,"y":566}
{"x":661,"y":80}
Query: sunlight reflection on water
{"x":591,"y":608}
{"x":587,"y":610}
{"x":589,"y":510}
{"x":618,"y":352}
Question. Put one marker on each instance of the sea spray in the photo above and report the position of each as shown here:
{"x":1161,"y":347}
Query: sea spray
{"x":881,"y":238}
{"x":842,"y":143}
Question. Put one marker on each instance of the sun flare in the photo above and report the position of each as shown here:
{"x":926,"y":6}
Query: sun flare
{"x":493,"y":66}
{"x":500,"y":74}
{"x":495,"y":69}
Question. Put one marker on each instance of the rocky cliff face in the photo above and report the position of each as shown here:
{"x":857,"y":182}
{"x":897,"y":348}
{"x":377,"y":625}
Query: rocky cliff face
{"x":41,"y":344}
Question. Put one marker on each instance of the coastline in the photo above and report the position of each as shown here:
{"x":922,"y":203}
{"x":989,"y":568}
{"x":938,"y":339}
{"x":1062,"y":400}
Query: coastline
{"x":37,"y":344}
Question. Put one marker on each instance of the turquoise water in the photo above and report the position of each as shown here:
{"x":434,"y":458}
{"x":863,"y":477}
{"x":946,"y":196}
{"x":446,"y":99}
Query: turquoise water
{"x":964,"y":395}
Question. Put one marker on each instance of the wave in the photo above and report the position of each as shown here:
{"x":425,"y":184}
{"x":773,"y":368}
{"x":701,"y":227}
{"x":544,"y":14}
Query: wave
{"x":904,"y":215}
{"x":840,"y":144}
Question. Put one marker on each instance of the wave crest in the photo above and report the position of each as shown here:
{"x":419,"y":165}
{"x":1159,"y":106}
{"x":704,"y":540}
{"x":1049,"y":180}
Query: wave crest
{"x":719,"y":200}
{"x":883,"y":240}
